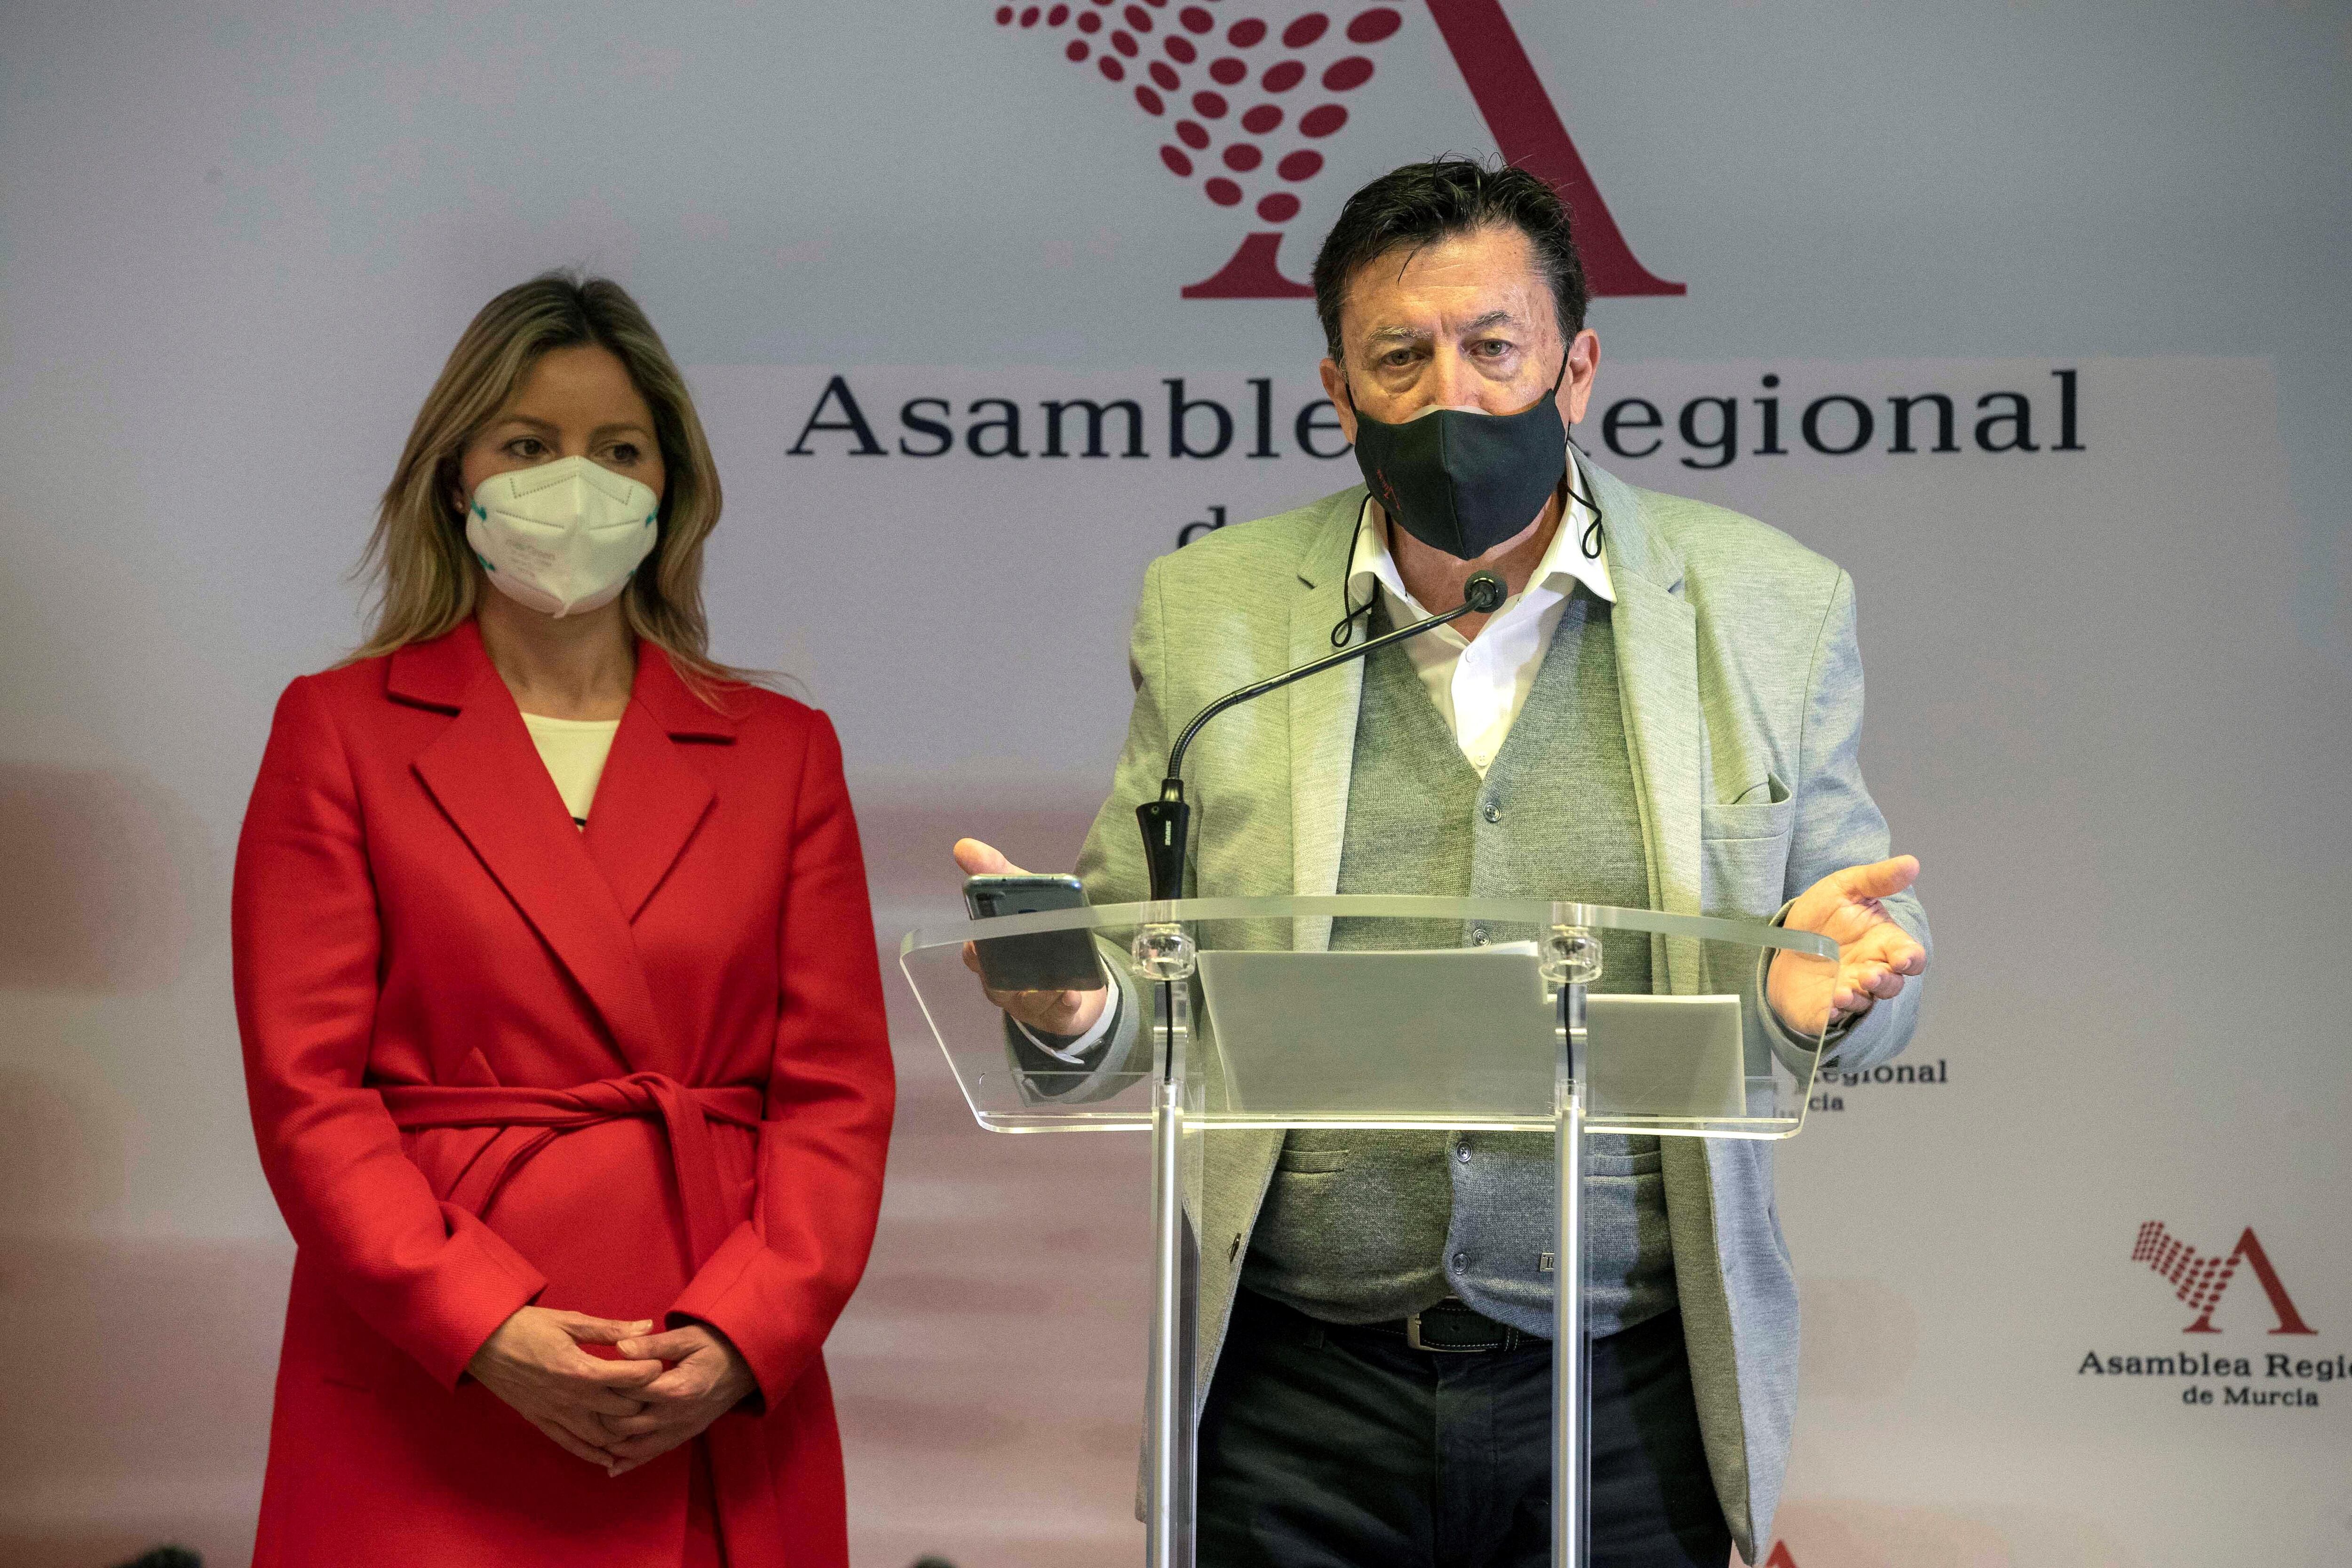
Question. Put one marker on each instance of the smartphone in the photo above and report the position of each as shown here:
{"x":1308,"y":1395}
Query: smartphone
{"x":1047,"y":961}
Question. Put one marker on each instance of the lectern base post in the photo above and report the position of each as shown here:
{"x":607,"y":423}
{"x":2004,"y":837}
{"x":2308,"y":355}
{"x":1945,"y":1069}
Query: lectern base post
{"x":1169,"y":1476}
{"x":1569,"y":1359}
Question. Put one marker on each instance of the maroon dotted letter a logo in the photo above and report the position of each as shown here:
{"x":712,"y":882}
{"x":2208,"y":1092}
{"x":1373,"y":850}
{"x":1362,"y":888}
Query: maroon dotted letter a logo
{"x":1226,"y":91}
{"x":2198,"y":1278}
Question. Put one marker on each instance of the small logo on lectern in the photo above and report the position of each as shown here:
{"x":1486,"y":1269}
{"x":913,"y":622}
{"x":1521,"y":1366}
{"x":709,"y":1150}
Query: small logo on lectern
{"x":1244,"y":105}
{"x":2198,"y":1278}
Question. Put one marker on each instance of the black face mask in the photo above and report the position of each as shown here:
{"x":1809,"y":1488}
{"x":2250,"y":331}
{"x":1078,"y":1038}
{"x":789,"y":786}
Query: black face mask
{"x":1463,"y":482}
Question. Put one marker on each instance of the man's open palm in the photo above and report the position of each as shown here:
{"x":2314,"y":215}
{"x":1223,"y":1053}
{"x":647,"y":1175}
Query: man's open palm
{"x":1874,"y":954}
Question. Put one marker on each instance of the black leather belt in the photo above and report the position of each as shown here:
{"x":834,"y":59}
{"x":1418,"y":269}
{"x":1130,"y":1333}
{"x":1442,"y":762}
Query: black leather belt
{"x":1454,"y":1326}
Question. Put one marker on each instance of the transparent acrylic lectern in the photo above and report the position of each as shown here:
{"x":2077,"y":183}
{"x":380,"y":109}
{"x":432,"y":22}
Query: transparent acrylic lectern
{"x":1400,"y":1012}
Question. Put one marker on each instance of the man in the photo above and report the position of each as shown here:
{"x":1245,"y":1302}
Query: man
{"x":1664,"y":712}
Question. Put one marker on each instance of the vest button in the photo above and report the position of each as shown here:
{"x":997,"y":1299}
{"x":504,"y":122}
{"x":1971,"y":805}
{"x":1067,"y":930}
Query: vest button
{"x":1494,"y":813}
{"x":1478,"y":936}
{"x":1462,"y":1153}
{"x":1461,"y":1261}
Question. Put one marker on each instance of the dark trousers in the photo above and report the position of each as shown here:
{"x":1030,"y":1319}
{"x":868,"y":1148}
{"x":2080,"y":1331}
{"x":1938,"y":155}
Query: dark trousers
{"x":1332,"y":1448}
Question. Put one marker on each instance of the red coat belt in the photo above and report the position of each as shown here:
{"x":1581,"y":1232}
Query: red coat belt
{"x":529,"y":1120}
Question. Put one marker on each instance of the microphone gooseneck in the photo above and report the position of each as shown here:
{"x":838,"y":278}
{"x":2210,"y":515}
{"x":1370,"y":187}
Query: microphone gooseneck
{"x":1165,"y":821}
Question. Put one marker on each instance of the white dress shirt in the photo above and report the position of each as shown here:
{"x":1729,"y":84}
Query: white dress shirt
{"x":1480,"y":684}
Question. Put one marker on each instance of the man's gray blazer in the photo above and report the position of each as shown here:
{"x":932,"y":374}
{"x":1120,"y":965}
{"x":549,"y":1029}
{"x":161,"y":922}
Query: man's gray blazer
{"x":1742,"y":689}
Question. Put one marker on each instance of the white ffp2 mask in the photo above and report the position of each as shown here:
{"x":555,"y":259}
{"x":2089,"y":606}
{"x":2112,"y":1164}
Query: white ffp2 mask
{"x":563,"y":537}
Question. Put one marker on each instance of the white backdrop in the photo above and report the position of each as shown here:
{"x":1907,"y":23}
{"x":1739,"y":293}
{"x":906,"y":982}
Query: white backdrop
{"x":2111,"y":688}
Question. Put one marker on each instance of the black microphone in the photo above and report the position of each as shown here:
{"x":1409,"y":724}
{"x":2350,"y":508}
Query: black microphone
{"x":1166,"y":821}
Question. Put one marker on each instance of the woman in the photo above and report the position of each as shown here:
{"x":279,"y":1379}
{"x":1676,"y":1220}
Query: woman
{"x":563,"y":1024}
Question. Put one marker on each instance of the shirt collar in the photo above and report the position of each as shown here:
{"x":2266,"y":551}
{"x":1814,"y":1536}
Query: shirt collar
{"x":1564,"y":563}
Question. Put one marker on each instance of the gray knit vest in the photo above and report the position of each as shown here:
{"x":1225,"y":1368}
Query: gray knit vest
{"x":1365,"y":1227}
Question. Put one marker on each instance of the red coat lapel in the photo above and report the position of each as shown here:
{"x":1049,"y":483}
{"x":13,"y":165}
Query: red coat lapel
{"x":650,"y":799}
{"x":486,"y":776}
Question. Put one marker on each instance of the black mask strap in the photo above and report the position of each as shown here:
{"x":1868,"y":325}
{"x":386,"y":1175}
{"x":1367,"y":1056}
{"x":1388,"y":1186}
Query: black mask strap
{"x":1593,"y":533}
{"x":1343,"y":631}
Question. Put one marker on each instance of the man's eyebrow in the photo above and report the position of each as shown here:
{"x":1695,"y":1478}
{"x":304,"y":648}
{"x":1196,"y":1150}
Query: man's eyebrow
{"x":1400,"y":334}
{"x":1491,"y":318}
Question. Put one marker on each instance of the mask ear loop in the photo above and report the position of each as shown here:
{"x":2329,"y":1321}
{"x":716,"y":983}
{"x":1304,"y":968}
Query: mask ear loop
{"x":1590,"y":545}
{"x":1343,"y":631}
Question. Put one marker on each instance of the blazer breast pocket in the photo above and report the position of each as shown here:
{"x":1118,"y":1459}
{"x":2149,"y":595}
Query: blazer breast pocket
{"x":1744,"y":851}
{"x":1763,"y":810}
{"x":1311,"y":1162}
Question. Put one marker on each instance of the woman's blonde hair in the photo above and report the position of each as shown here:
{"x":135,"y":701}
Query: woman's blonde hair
{"x":418,"y":562}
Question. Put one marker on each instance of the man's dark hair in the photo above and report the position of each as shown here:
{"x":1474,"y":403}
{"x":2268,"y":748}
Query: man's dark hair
{"x":1422,"y":204}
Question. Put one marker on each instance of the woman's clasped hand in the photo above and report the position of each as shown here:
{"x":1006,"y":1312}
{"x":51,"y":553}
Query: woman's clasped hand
{"x":663,"y":1390}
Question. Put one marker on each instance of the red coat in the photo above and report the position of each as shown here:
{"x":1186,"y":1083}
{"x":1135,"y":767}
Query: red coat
{"x":640,"y":1071}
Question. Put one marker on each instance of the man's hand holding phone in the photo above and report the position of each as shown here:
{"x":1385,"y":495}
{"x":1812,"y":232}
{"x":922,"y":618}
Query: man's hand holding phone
{"x":1048,"y":1012}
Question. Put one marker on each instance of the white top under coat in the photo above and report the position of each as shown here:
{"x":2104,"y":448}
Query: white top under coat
{"x":575,"y":751}
{"x":1480,"y":684}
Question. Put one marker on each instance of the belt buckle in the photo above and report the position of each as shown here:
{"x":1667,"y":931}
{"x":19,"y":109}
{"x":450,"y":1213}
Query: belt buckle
{"x":1412,"y":1336}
